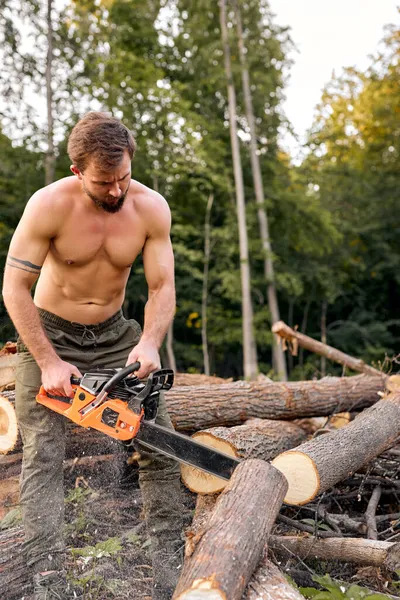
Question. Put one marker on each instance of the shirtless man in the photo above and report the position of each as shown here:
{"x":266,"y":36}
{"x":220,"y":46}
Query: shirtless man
{"x":78,"y":237}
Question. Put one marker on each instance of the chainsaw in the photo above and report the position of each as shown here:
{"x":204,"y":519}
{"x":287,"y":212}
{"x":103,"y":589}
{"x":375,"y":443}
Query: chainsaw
{"x":124,"y":407}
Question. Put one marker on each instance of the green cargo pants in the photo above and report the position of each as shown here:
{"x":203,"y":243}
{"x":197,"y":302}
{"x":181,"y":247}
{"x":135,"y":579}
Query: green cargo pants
{"x":104,"y":345}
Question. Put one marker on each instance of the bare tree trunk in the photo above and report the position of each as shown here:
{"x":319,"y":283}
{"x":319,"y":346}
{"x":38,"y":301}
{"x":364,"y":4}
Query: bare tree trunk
{"x":205,"y":285}
{"x":290,"y":320}
{"x":304,"y":328}
{"x":279,"y":357}
{"x":323,"y":335}
{"x":249,"y":364}
{"x":170,"y":347}
{"x":50,"y":156}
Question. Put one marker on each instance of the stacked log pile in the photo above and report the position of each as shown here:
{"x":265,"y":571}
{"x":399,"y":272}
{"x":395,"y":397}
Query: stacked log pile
{"x":337,"y":476}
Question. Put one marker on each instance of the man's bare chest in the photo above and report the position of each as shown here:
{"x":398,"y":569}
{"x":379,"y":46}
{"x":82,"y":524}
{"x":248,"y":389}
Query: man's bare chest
{"x":117,"y":242}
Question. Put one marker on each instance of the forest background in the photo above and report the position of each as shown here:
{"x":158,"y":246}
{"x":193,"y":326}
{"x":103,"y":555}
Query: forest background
{"x":161,"y":66}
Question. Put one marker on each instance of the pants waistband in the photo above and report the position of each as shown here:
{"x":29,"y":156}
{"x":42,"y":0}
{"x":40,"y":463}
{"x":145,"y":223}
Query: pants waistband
{"x":78,"y":328}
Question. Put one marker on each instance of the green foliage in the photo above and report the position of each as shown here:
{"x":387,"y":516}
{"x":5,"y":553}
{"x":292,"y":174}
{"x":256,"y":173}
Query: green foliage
{"x":106,"y":549}
{"x":333,"y":590}
{"x":334,"y":220}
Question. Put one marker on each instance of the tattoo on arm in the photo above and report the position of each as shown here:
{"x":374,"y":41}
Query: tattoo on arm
{"x":24,"y":265}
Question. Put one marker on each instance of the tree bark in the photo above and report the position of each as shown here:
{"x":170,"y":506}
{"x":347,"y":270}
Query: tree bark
{"x":249,"y":365}
{"x":226,"y":551}
{"x":356,"y":364}
{"x":355,"y":550}
{"x":257,"y":438}
{"x":322,"y":462}
{"x":204,"y":294}
{"x":279,"y":357}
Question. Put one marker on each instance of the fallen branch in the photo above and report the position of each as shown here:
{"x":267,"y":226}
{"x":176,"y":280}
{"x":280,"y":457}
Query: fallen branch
{"x":287,"y":333}
{"x":355,"y":550}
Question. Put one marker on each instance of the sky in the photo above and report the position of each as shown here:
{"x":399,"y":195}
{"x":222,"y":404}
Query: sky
{"x":329,"y":35}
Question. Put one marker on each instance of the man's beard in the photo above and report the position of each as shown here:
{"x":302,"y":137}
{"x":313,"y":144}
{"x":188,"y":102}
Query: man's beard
{"x":104,"y":204}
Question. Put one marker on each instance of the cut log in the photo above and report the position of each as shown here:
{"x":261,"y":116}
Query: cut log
{"x":296,"y":338}
{"x":8,"y":364}
{"x":355,"y":550}
{"x":324,"y":461}
{"x":200,"y":407}
{"x":8,"y":426}
{"x":227,"y":550}
{"x":257,"y":438}
{"x":268,"y":583}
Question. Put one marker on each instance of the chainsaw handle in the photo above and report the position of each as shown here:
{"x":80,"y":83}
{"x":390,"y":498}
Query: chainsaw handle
{"x":114,"y":379}
{"x":120,"y":376}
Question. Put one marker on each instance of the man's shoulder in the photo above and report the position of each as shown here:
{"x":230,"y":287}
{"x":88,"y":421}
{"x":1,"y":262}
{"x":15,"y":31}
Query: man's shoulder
{"x":55,"y":195}
{"x":149,"y":204}
{"x":48,"y":208}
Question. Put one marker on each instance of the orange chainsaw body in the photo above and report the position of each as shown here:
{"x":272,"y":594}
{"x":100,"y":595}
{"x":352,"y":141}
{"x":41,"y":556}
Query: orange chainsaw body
{"x":125,"y":428}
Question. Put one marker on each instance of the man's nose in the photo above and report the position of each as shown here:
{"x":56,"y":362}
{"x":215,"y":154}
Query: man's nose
{"x":115,"y":190}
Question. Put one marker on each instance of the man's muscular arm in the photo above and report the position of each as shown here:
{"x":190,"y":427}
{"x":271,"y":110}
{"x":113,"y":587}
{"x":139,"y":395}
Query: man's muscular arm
{"x":28,"y":249}
{"x":159,"y":311}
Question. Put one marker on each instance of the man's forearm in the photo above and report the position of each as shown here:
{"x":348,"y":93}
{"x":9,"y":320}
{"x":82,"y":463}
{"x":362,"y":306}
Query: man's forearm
{"x":25,"y":317}
{"x":158,"y":314}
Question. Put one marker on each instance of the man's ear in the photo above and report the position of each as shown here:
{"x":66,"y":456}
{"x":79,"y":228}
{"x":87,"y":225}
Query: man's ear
{"x":76,"y":171}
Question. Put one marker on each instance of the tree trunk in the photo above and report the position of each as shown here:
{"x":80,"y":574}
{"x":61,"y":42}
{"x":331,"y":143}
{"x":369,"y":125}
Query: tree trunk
{"x":279,"y":357}
{"x":170,"y":347}
{"x":304,"y":327}
{"x":226,"y":551}
{"x":205,"y":285}
{"x":322,"y":462}
{"x":50,"y":155}
{"x":323,"y":335}
{"x":257,"y":438}
{"x":250,"y":367}
{"x":297,"y":338}
{"x":355,"y":550}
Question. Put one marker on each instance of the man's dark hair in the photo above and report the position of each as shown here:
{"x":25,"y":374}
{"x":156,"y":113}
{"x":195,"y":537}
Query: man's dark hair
{"x":100,"y":137}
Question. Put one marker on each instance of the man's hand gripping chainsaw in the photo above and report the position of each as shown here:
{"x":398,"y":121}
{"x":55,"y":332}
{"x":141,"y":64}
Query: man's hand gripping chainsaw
{"x":125,"y":408}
